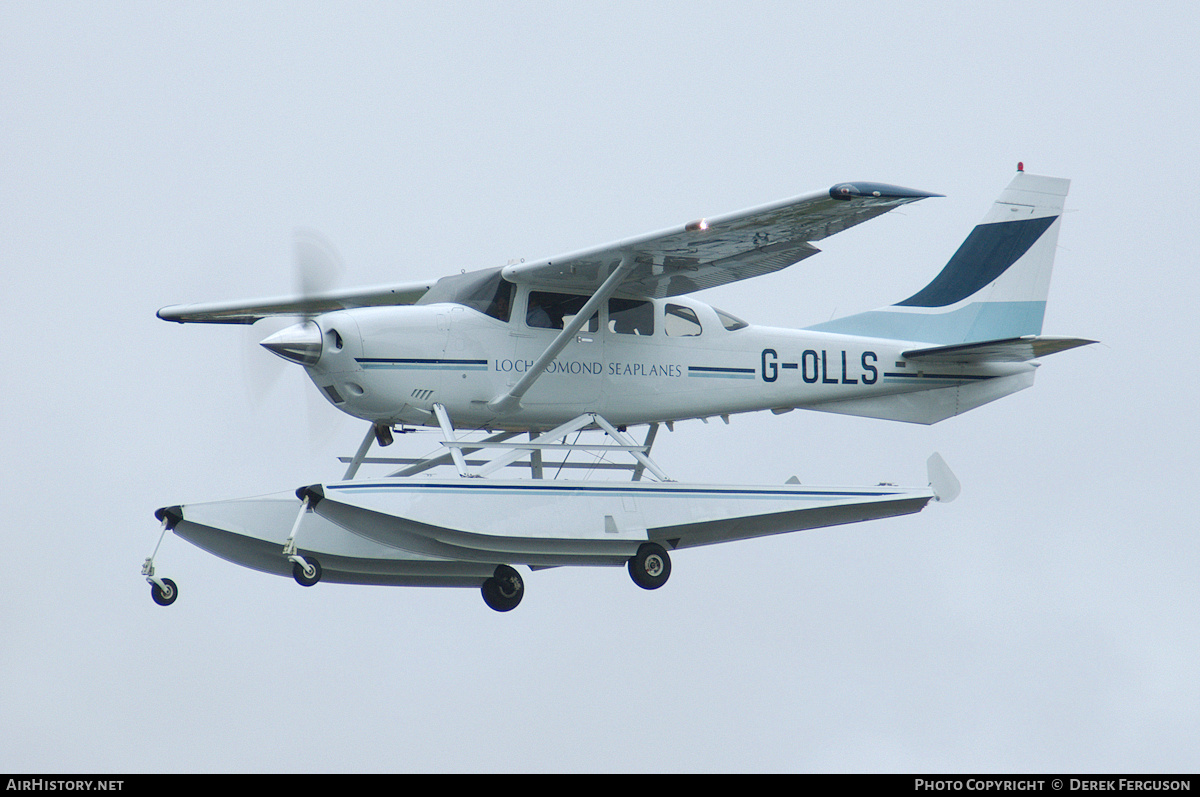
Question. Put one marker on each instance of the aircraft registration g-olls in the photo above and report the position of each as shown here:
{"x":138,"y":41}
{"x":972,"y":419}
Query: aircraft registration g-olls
{"x":605,"y":339}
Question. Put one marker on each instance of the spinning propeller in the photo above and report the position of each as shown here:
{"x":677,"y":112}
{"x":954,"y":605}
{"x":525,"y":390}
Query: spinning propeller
{"x":316,"y":269}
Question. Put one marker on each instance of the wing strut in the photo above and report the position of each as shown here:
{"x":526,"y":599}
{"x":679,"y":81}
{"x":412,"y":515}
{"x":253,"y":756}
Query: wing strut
{"x":510,"y":401}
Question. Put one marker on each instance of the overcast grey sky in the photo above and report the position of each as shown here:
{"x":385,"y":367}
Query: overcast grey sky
{"x":153,"y":154}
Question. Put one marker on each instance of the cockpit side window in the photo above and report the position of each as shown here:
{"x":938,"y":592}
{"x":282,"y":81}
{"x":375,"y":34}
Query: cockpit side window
{"x":546,"y":310}
{"x":681,"y":322}
{"x":631,"y":317}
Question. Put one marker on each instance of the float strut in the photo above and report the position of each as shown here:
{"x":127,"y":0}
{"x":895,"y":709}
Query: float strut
{"x":148,"y":565}
{"x":361,"y":454}
{"x":289,"y":548}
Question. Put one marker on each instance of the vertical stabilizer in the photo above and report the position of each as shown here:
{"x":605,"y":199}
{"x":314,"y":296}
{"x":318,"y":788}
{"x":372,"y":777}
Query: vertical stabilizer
{"x":995,"y":285}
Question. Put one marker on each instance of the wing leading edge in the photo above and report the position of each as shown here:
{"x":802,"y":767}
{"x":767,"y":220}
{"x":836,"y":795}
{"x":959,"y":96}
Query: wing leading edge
{"x":247,"y":312}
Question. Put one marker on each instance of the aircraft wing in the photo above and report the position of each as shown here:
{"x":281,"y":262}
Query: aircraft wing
{"x":721,"y":249}
{"x":249,"y":311}
{"x":1009,"y":350}
{"x":683,"y":259}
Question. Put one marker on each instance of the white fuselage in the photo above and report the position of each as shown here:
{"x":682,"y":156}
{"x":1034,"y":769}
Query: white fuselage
{"x":392,"y":364}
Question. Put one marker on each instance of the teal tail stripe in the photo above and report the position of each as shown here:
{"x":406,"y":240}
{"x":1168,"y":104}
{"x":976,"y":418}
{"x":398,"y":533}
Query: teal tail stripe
{"x":976,"y":321}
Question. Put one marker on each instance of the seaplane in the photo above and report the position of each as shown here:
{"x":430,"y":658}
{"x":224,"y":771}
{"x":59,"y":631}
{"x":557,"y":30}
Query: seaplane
{"x":511,"y":366}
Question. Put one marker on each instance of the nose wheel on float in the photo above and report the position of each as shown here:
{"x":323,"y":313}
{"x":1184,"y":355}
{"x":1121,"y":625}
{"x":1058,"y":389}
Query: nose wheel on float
{"x":308,"y":573}
{"x":305,"y":569}
{"x":162,"y":590}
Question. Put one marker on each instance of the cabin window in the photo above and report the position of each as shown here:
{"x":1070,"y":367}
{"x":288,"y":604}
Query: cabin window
{"x":730,"y":322}
{"x":630,"y":317}
{"x":556,"y":310}
{"x":680,"y":322}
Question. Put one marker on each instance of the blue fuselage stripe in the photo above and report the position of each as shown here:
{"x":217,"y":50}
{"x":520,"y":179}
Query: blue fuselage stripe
{"x":422,"y":364}
{"x":713,"y":372}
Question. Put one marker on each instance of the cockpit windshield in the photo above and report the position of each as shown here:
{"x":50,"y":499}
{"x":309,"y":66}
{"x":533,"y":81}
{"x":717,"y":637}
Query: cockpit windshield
{"x":486,"y":291}
{"x":730,"y":322}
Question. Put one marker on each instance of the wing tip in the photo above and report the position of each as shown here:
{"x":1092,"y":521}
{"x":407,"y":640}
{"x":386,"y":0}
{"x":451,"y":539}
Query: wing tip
{"x":865,"y":190}
{"x":191,"y":314}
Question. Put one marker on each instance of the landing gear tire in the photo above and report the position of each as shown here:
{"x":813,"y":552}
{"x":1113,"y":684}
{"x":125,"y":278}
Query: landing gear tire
{"x":504,"y":590}
{"x":650,"y":567}
{"x":307,"y":579}
{"x":166,"y":594}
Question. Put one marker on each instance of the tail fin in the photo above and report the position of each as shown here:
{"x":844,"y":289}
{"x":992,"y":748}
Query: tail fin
{"x":995,"y":285}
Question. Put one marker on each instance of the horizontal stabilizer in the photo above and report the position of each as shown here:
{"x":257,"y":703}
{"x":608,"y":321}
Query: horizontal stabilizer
{"x":1008,"y":350}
